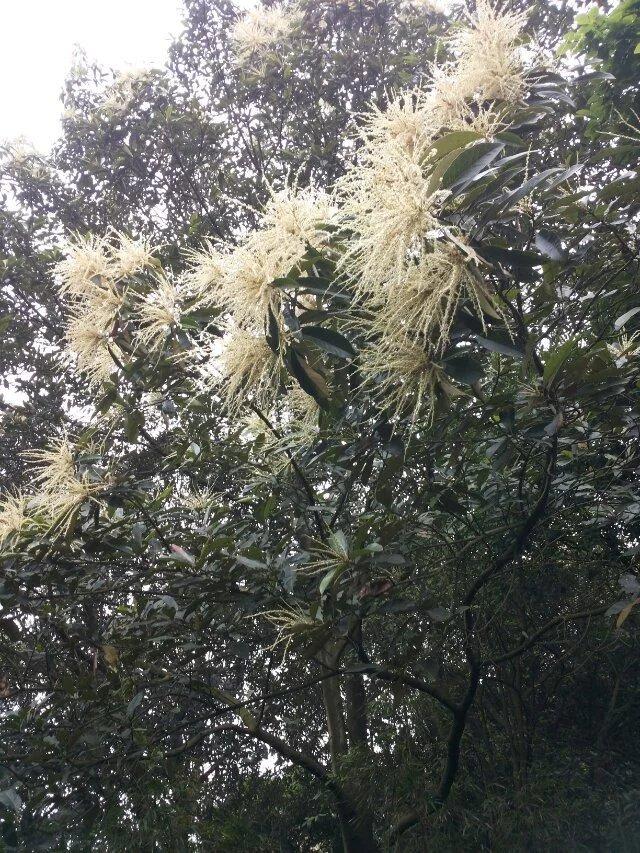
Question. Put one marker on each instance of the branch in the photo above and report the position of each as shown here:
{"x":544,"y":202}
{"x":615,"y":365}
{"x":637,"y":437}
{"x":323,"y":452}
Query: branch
{"x":517,"y":546}
{"x":320,"y":523}
{"x":533,"y":639}
{"x":462,"y":710}
{"x":417,"y":684}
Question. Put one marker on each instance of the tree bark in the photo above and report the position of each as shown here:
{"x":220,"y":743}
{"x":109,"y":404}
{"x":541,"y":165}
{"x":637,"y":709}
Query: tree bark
{"x":355,"y":825}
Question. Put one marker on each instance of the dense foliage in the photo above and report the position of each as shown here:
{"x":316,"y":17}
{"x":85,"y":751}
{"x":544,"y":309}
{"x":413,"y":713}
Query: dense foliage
{"x":326,"y":533}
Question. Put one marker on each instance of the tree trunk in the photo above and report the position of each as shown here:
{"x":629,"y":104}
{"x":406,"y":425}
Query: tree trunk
{"x":355,"y":827}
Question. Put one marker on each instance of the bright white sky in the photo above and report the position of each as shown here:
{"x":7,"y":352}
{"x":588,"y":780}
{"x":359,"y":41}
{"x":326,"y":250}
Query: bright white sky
{"x":36,"y":45}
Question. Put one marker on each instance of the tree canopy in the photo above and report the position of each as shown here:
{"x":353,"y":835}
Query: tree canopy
{"x":319,"y":526}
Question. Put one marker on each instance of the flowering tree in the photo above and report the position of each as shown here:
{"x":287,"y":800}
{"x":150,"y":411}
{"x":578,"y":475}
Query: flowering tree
{"x":355,"y":475}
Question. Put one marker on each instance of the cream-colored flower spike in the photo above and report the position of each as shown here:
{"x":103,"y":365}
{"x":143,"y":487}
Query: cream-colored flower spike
{"x":87,"y":265}
{"x":291,"y":221}
{"x":13,"y":515}
{"x":291,"y":621}
{"x":424,"y":302}
{"x":408,"y":120}
{"x":158,"y":313}
{"x":390,"y":210}
{"x":260,"y":29}
{"x":206,"y":278}
{"x":298,"y":214}
{"x":131,"y":256}
{"x":89,"y":340}
{"x":399,"y":371}
{"x":489,"y":65}
{"x":199,"y":500}
{"x":252,"y":269}
{"x":304,"y":407}
{"x":250,"y":371}
{"x":60,"y":489}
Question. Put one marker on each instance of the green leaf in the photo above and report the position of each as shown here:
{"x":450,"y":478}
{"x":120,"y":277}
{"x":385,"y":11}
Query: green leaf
{"x":310,"y":379}
{"x":499,"y":346}
{"x":463,"y":368}
{"x":328,"y":579}
{"x":469,"y":163}
{"x":556,"y":359}
{"x":11,"y":799}
{"x":338,"y":541}
{"x":328,"y":340}
{"x":273,"y":331}
{"x":133,"y":704}
{"x":182,"y":556}
{"x":550,"y":245}
{"x":516,"y":195}
{"x":620,"y":322}
{"x":134,"y":422}
{"x":454,"y":141}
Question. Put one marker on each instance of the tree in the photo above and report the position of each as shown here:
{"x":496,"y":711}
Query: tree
{"x":343,"y":532}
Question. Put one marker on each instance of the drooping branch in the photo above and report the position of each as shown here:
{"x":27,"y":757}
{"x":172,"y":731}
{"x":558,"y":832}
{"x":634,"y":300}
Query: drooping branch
{"x":461,"y":711}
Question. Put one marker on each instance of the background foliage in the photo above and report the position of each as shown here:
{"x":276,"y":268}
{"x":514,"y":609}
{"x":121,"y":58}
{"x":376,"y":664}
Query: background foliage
{"x":479,"y":574}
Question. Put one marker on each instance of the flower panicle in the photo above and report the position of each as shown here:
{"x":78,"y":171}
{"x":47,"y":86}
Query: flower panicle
{"x":158,"y":313}
{"x":251,"y":372}
{"x":61,"y":489}
{"x":260,"y":29}
{"x":489,"y":64}
{"x":401,"y":372}
{"x":14,"y":515}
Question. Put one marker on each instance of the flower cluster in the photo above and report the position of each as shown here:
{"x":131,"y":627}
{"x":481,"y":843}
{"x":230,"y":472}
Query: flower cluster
{"x":411,"y":270}
{"x":14,"y":515}
{"x":102,"y":278}
{"x":121,"y":93}
{"x":242,"y":280}
{"x":250,"y":369}
{"x":61,"y":488}
{"x":401,"y":371}
{"x":259,"y":30}
{"x":489,"y":65}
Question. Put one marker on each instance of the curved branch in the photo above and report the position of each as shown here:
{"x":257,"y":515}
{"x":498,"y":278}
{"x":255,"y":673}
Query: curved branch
{"x":533,"y":639}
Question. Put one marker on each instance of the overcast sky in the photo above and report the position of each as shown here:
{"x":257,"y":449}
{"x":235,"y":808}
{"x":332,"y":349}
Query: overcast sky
{"x":36,"y":45}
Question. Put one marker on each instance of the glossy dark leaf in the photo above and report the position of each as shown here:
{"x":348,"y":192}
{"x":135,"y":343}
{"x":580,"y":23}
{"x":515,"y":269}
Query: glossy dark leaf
{"x":329,"y":340}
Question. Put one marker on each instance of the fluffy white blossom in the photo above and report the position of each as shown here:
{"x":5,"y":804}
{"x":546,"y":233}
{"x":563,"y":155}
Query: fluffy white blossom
{"x":23,"y":157}
{"x":390,"y":209}
{"x":489,"y":62}
{"x":290,"y":622}
{"x":86,"y":265}
{"x":206,"y":277}
{"x":625,"y":349}
{"x":299,"y":214}
{"x":198,"y":500}
{"x":252,"y":269}
{"x":399,"y":371}
{"x":13,"y":515}
{"x":130,"y":256}
{"x":89,"y":336}
{"x":291,"y":221}
{"x":158,"y":314}
{"x":61,"y":489}
{"x":119,"y":95}
{"x":250,"y":371}
{"x":260,"y":29}
{"x":425,"y":300}
{"x":409,"y":120}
